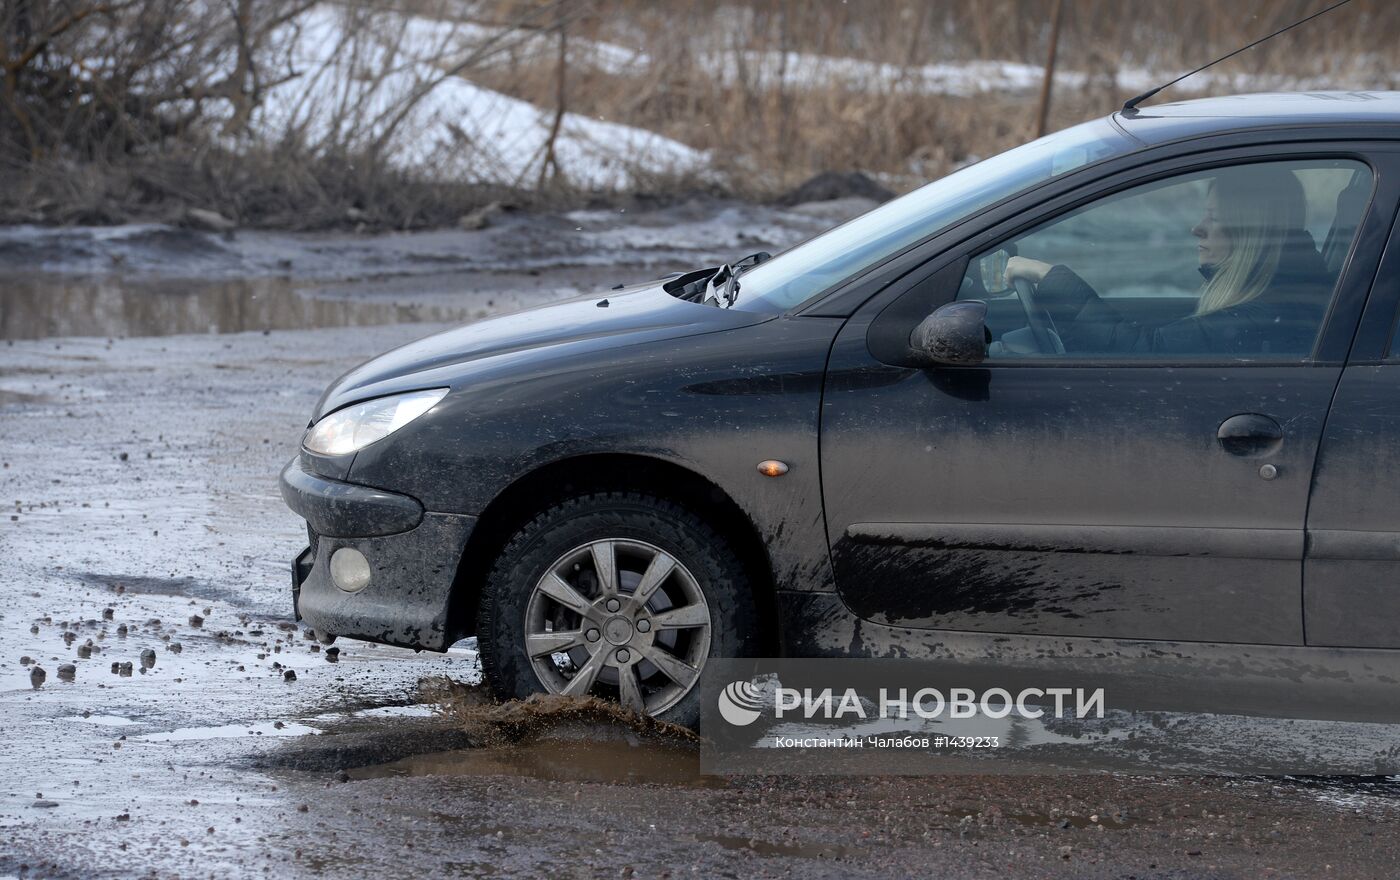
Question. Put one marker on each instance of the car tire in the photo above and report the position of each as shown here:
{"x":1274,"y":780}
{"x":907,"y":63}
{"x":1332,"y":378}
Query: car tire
{"x":525,"y":613}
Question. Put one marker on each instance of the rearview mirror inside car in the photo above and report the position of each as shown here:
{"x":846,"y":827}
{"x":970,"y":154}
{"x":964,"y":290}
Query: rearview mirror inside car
{"x":955,"y":334}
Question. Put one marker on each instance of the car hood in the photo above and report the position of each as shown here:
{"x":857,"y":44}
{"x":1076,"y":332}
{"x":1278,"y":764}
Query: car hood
{"x":623,"y":317}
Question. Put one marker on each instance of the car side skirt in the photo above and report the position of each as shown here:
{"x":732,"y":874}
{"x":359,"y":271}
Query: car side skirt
{"x":1284,"y":681}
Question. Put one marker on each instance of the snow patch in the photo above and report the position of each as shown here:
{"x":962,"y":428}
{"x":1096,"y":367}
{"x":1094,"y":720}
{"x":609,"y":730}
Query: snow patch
{"x":396,"y":93}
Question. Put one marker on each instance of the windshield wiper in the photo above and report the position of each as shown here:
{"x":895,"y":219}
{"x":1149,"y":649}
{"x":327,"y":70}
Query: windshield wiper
{"x":718,"y":287}
{"x":731,"y":283}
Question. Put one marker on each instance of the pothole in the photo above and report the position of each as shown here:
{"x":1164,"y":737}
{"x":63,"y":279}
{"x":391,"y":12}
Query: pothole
{"x":558,"y":760}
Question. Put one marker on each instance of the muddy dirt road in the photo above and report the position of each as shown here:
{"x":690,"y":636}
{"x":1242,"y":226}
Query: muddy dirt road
{"x":161,"y":714}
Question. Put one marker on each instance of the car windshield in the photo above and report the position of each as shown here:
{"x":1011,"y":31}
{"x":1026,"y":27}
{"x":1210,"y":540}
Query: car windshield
{"x":819,"y":263}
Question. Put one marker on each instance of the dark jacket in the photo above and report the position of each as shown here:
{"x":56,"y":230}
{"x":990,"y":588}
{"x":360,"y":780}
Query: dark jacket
{"x":1284,"y":319}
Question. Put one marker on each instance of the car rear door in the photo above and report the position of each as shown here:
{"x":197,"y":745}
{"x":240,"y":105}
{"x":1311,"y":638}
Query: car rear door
{"x":1351,"y":571}
{"x":1122,"y":496}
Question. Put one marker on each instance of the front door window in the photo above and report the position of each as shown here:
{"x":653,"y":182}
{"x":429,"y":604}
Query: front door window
{"x":1235,"y":263}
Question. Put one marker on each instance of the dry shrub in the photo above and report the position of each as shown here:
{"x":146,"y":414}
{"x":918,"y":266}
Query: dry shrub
{"x":256,"y":188}
{"x":783,"y":139}
{"x":113,"y":110}
{"x":770,"y":125}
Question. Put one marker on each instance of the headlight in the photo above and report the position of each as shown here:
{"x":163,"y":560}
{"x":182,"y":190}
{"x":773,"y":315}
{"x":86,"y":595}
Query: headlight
{"x":354,"y":427}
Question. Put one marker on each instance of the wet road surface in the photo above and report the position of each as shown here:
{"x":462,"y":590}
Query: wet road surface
{"x":199,"y":732}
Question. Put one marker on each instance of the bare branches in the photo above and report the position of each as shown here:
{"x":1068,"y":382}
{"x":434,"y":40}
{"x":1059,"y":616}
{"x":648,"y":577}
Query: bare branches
{"x":341,"y":102}
{"x":480,"y":52}
{"x":34,"y":44}
{"x":549,"y":165}
{"x":53,"y":32}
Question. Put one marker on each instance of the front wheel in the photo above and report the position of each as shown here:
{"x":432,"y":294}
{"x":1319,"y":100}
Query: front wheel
{"x":618,"y":595}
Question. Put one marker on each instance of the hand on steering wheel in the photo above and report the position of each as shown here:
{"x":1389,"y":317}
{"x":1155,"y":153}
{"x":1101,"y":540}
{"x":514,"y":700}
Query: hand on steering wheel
{"x":1024,"y":273}
{"x":1036,"y":318}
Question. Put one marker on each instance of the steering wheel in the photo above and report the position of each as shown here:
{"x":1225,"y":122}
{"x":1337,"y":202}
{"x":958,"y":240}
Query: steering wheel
{"x":1042,"y":330}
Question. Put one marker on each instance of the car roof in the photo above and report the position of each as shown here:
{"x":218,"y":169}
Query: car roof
{"x":1160,"y":123}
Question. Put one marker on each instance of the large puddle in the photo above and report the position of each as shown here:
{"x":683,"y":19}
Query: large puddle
{"x":549,"y":737}
{"x":42,"y":306}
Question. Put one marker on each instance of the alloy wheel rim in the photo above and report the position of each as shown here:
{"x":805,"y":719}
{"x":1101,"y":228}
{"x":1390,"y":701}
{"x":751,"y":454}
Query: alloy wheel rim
{"x":618,"y":618}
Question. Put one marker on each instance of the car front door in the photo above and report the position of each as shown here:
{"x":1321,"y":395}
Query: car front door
{"x":1123,"y":475}
{"x":1351,"y":570}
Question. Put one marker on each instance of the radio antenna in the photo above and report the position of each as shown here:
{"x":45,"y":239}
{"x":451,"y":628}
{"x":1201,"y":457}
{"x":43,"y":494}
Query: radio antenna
{"x":1130,"y":106}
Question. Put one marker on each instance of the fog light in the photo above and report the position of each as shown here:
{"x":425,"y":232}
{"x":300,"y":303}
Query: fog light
{"x":349,"y":569}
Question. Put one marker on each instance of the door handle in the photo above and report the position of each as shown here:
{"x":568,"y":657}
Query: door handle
{"x":1250,"y":434}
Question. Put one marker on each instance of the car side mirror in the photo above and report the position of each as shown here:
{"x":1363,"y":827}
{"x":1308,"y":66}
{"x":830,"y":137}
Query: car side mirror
{"x":954,"y":335}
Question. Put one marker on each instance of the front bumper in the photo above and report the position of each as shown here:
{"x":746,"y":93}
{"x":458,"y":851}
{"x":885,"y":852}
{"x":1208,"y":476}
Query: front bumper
{"x":332,"y":507}
{"x":413,"y":558}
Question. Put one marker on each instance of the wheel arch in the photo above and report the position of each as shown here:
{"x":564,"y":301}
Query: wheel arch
{"x":549,"y":483}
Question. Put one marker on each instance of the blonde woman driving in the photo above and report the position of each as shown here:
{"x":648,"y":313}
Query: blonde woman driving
{"x":1265,"y":289}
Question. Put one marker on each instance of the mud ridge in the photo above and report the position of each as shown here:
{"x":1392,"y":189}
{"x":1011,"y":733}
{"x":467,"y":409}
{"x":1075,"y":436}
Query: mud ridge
{"x":469,"y":718}
{"x":492,"y":723}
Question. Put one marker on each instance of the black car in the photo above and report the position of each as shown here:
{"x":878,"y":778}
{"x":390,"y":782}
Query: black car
{"x":1126,"y":395}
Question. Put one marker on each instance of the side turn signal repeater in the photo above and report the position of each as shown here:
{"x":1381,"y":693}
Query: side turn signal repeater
{"x":772,"y":468}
